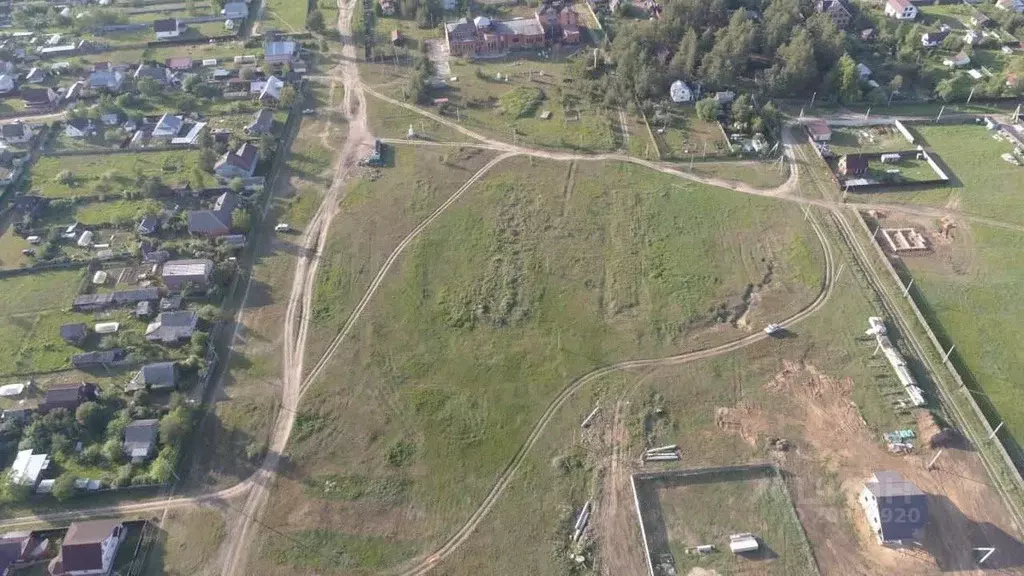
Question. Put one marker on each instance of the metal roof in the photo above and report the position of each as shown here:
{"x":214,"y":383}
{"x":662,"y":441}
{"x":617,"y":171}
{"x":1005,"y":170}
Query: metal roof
{"x":199,"y":267}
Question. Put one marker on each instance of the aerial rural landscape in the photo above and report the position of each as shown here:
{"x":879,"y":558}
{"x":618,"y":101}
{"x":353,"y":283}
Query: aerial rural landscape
{"x":463,"y":287}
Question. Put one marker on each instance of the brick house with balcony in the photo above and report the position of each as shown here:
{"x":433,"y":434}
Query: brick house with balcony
{"x":483,"y":36}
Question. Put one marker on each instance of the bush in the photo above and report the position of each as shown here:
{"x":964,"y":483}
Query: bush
{"x":521,"y":102}
{"x":65,"y":177}
{"x":64,"y":487}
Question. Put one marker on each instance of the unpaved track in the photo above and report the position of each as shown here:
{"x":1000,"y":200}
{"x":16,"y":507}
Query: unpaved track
{"x":358,"y":141}
{"x":428,"y":562}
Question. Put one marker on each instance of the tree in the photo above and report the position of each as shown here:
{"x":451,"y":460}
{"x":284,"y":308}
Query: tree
{"x":796,"y":70}
{"x":241,"y":221}
{"x":65,"y":177}
{"x":198,"y":178}
{"x":955,"y":88}
{"x":708,"y":109}
{"x":161,"y":470}
{"x":742,"y":109}
{"x":896,"y":84}
{"x":148,"y":87}
{"x":779,"y":19}
{"x":246,"y":72}
{"x":288,"y":96}
{"x":174,"y":426}
{"x":113,"y":450}
{"x":266,"y":146}
{"x":236,"y":185}
{"x":191,"y":83}
{"x":207,"y":159}
{"x":687,"y":56}
{"x":848,"y":80}
{"x":64,"y":487}
{"x":315,"y":21}
{"x":92,"y":417}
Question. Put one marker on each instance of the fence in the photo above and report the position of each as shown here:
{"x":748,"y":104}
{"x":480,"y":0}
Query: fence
{"x":912,"y":298}
{"x":765,"y":468}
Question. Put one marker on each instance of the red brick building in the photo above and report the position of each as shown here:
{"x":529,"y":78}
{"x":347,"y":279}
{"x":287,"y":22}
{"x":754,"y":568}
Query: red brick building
{"x":483,"y":36}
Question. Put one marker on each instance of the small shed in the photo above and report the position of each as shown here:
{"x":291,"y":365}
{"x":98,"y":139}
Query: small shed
{"x":743,"y":543}
{"x":85,"y":239}
{"x":819,"y":130}
{"x":100,"y":277}
{"x":144,"y":309}
{"x":106,"y":327}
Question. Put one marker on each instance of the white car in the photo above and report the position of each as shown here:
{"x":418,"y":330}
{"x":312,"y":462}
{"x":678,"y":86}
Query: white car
{"x":773,"y":329}
{"x":282,"y":227}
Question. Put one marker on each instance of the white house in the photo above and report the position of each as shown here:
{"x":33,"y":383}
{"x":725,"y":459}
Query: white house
{"x":166,"y":28}
{"x":78,"y":128}
{"x":28,"y":468}
{"x":680,"y":92}
{"x":895,"y":509}
{"x":972,"y":37}
{"x":863,"y":71}
{"x":933,"y":39}
{"x":900,"y":9}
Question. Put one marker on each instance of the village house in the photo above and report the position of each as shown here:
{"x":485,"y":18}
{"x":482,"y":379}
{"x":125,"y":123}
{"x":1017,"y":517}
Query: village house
{"x":166,"y":28}
{"x":177,"y":273}
{"x":215,"y":222}
{"x":88,"y":548}
{"x":895,"y":508}
{"x":819,"y":130}
{"x":39,"y":99}
{"x":235,"y":11}
{"x":74,"y":333}
{"x":679,"y":92}
{"x":15,"y":133}
{"x":108,"y":80}
{"x":837,"y":10}
{"x":28,"y":468}
{"x":1011,"y":5}
{"x":933,"y":39}
{"x":853,"y":164}
{"x":140,"y":440}
{"x":98,"y":359}
{"x":279,"y":52}
{"x":79,"y":128}
{"x":156,"y":376}
{"x":17,"y":548}
{"x":262,"y":122}
{"x":173,"y":328}
{"x":239,"y":163}
{"x":6,"y":83}
{"x":35,"y":76}
{"x":959,"y":60}
{"x":900,"y":9}
{"x":156,"y":72}
{"x":270,"y":90}
{"x":68,"y":396}
{"x":483,"y":36}
{"x":560,"y":23}
{"x":179,"y":63}
{"x":980,"y":19}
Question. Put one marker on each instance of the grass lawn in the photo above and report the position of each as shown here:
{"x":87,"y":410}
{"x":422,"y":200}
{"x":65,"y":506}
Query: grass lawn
{"x":39,"y":291}
{"x":680,"y":134}
{"x":709,"y":510}
{"x":476,"y":100}
{"x":11,"y":246}
{"x":975,"y":298}
{"x":285,"y":15}
{"x":982,"y":183}
{"x":908,"y":169}
{"x":389,"y":121}
{"x":508,"y":296}
{"x":116,"y":212}
{"x":188,"y":543}
{"x":867,"y":139}
{"x":755,"y":173}
{"x":223,"y":52}
{"x":172,"y":167}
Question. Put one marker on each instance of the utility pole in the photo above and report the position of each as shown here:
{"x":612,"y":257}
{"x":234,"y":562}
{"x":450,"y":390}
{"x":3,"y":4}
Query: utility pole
{"x":906,"y":291}
{"x":948,"y":352}
{"x":993,"y":434}
{"x":941,"y":110}
{"x":868,"y":113}
{"x":813,"y":96}
{"x":971,"y":95}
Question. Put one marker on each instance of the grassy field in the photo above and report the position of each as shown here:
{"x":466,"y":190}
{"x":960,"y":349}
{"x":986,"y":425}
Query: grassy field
{"x":389,"y":121}
{"x":374,"y":217}
{"x":569,"y":466}
{"x":39,"y":291}
{"x":975,"y":298}
{"x":709,"y":510}
{"x":88,"y":171}
{"x":982,"y":183}
{"x":285,"y":15}
{"x":478,"y":95}
{"x":755,"y":173}
{"x":513,"y":292}
{"x":188,"y":544}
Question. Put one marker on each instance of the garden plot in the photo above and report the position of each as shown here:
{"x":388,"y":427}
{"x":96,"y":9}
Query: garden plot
{"x":82,"y":175}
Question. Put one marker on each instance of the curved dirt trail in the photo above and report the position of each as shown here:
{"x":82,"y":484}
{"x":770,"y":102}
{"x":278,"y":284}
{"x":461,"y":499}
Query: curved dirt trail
{"x":428,"y":562}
